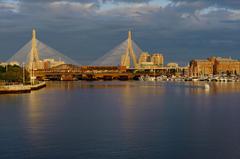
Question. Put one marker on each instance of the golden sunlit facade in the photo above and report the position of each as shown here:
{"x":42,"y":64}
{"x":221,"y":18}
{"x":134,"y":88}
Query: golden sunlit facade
{"x":147,"y":61}
{"x":226,"y":66}
{"x":157,"y":59}
{"x":214,"y":66}
{"x":144,"y":57}
{"x":201,"y":68}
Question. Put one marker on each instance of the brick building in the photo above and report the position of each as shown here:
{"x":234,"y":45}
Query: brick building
{"x":226,"y":66}
{"x":214,"y":66}
{"x":201,"y":67}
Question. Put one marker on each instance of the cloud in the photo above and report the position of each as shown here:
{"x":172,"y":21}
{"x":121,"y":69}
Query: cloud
{"x":231,"y":4}
{"x":6,"y":6}
{"x":125,"y":10}
{"x":66,"y":6}
{"x":181,"y":29}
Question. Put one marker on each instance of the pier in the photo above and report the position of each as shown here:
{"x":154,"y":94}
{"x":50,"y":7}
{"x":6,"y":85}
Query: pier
{"x":15,"y":89}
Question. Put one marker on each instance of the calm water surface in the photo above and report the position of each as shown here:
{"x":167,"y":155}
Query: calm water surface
{"x":127,"y":120}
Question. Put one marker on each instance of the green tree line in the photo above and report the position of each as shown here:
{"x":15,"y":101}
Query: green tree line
{"x":13,"y":74}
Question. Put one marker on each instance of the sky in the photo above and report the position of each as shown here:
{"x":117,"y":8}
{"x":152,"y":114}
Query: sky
{"x":85,"y":30}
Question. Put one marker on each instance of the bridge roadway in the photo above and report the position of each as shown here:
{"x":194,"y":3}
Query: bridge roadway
{"x":69,"y":72}
{"x":88,"y":75}
{"x":79,"y":74}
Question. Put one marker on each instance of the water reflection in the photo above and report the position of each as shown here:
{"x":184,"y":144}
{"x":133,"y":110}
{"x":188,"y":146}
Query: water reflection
{"x":137,"y":103}
{"x":122,"y":120}
{"x":188,"y":87}
{"x":35,"y":118}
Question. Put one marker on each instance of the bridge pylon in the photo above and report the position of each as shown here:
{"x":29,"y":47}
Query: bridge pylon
{"x":34,"y":59}
{"x":34,"y":53}
{"x":125,"y":59}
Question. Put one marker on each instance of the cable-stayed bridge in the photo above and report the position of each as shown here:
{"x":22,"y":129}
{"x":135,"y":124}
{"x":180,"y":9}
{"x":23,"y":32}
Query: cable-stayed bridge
{"x":113,"y":65}
{"x":35,"y":50}
{"x":121,"y":55}
{"x":125,"y":54}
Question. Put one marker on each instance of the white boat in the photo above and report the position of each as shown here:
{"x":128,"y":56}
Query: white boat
{"x":147,"y":78}
{"x":206,"y":86}
{"x":161,"y":78}
{"x":223,"y":79}
{"x":141,"y":78}
{"x":194,"y":79}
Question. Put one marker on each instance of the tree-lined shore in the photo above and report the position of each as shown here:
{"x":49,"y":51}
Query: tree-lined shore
{"x":13,"y":74}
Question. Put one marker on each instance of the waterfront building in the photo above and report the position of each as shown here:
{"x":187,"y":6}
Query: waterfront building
{"x":144,"y":57}
{"x":46,"y":64}
{"x":177,"y":70}
{"x":157,"y":59}
{"x":147,"y":61}
{"x":49,"y":63}
{"x":214,"y":66}
{"x":226,"y":65}
{"x":147,"y":65}
{"x":172,"y":65}
{"x":201,"y":67}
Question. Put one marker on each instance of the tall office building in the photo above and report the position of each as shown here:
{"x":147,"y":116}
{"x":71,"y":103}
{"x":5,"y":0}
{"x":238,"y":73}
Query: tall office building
{"x":157,"y":59}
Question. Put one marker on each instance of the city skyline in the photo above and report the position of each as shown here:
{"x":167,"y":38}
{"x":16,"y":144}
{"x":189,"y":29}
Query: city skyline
{"x":180,"y":30}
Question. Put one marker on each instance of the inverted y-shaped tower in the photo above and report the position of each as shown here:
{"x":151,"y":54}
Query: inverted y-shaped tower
{"x":125,"y":61}
{"x":33,"y":55}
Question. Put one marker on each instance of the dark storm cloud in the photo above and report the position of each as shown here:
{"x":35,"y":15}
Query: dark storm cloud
{"x":87,"y":1}
{"x":233,"y":4}
{"x":86,"y":29}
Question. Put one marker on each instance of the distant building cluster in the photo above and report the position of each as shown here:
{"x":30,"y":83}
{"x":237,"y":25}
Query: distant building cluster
{"x":214,"y":66}
{"x":12,"y":63}
{"x":146,"y":61}
{"x":41,"y":64}
{"x":149,"y":61}
{"x":46,"y":64}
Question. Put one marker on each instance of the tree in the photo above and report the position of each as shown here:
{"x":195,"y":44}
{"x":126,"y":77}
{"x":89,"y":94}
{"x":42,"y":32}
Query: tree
{"x":14,"y":74}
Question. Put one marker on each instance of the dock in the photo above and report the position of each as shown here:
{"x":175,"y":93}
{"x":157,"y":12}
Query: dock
{"x":38,"y":86}
{"x":16,"y":89}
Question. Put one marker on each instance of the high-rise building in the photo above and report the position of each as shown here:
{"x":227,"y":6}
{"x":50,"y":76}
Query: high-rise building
{"x":144,"y":57}
{"x":157,"y":59}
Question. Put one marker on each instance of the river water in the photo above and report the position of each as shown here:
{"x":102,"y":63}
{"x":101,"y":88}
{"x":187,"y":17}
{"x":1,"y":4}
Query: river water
{"x":127,"y":120}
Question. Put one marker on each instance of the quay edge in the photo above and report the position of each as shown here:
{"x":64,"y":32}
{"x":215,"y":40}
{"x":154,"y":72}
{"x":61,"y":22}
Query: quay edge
{"x":17,"y":89}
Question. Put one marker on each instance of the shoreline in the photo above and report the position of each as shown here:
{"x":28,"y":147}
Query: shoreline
{"x":19,"y":89}
{"x":22,"y":89}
